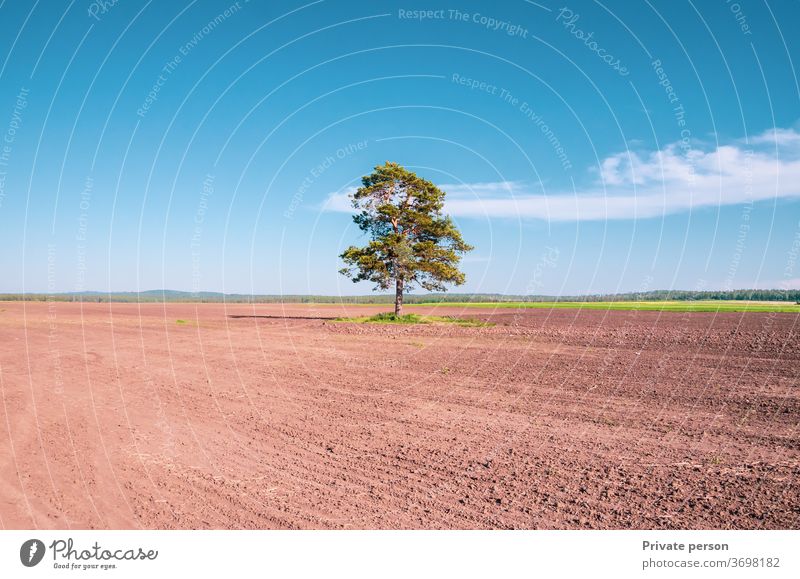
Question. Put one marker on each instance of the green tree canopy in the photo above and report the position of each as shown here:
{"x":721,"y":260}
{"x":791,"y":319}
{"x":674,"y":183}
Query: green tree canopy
{"x":411,"y":242}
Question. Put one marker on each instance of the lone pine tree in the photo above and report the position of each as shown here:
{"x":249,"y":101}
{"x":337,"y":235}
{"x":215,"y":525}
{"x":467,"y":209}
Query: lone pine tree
{"x":411,"y":241}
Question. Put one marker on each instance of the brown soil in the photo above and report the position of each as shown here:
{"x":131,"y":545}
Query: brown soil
{"x":272,"y":416}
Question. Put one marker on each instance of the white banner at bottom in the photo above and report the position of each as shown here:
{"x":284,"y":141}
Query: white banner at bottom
{"x":120,"y":554}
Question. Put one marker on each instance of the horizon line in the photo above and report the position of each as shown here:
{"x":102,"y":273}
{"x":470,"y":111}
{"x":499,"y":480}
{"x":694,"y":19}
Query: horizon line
{"x":202,"y":293}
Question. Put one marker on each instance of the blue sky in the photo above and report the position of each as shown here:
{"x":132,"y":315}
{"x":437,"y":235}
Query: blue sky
{"x":585,"y":147}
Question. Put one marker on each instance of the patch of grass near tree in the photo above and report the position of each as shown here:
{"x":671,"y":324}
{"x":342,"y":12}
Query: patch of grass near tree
{"x":390,"y":318}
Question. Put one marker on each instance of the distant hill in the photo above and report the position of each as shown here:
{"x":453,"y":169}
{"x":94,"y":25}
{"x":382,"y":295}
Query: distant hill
{"x":180,"y":296}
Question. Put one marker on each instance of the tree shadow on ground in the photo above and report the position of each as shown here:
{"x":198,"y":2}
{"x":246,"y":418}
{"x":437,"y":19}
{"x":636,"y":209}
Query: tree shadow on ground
{"x":268,"y":317}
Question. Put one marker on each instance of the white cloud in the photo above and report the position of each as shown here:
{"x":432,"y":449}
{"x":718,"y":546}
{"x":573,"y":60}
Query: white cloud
{"x":502,"y":189}
{"x":634,"y":185}
{"x":339,"y":201}
{"x":779,"y":137}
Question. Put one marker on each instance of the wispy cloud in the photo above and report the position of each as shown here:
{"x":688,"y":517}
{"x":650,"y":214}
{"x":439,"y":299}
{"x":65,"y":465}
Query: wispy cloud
{"x":631,"y":185}
{"x":339,"y":201}
{"x":779,"y":137}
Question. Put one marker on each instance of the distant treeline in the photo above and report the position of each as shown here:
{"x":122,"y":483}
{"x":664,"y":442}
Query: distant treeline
{"x":177,"y":296}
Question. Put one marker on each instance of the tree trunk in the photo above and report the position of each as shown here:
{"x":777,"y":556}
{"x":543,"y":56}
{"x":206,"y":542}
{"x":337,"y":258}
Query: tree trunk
{"x":398,"y":297}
